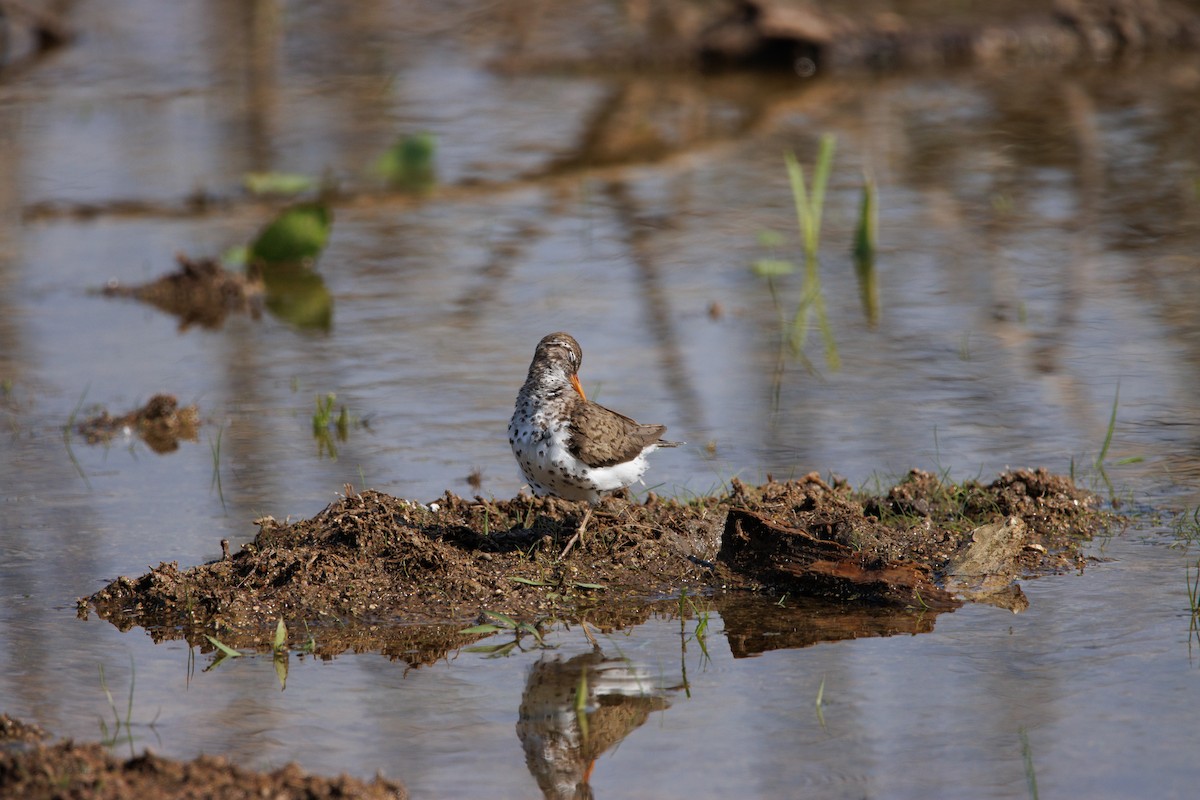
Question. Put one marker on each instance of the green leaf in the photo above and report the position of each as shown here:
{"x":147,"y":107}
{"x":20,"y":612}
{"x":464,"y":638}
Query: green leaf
{"x":486,"y":628}
{"x":409,"y":163}
{"x":503,"y":619}
{"x":529,"y":581}
{"x":280,"y":636}
{"x":224,"y":648}
{"x":772,"y":267}
{"x":277,"y":182}
{"x":224,"y":657}
{"x":589,"y":586}
{"x":492,"y":650}
{"x":298,"y":234}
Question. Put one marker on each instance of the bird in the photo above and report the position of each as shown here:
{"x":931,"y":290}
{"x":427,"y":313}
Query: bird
{"x":568,"y":446}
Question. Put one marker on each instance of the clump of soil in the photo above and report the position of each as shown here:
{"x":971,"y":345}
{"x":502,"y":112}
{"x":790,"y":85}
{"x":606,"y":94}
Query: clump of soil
{"x":67,"y":769}
{"x":929,"y":520}
{"x":161,"y":423}
{"x":361,"y":571}
{"x":201,"y":292}
{"x":927,"y":543}
{"x":14,"y":730}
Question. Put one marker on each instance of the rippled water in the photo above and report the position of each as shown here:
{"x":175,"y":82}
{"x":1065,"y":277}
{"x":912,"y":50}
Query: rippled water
{"x":1038,"y":247}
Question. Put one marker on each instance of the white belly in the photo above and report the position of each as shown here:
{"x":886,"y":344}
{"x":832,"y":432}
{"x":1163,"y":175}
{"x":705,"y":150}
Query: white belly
{"x":551,"y":469}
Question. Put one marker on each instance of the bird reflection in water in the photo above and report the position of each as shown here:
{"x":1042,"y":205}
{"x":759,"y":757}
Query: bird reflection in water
{"x":574,"y":710}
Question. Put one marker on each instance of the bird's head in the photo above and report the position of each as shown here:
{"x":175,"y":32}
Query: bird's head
{"x":559,"y":353}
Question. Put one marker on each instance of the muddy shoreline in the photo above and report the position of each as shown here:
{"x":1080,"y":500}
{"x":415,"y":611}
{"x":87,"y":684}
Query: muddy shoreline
{"x":32,"y":766}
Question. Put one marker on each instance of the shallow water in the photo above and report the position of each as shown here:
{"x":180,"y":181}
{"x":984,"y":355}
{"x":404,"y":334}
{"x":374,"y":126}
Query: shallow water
{"x":1038,"y":236}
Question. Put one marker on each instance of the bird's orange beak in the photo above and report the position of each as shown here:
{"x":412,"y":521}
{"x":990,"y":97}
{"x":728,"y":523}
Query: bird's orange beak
{"x":578,"y":388}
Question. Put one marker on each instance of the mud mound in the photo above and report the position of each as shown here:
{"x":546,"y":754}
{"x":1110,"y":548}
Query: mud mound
{"x":200,"y":292}
{"x":161,"y":423}
{"x":369,"y":565}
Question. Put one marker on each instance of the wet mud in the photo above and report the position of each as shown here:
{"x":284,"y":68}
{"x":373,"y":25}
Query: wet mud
{"x":32,"y":768}
{"x":376,"y":573}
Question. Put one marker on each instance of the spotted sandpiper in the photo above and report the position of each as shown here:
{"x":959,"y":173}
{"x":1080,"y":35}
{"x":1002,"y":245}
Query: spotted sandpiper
{"x":568,"y":446}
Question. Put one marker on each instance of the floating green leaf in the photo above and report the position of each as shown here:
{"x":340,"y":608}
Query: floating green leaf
{"x":298,"y":234}
{"x":485,"y":628}
{"x":224,"y":648}
{"x":772,"y":267}
{"x":226,"y":651}
{"x":409,"y":163}
{"x":285,"y":183}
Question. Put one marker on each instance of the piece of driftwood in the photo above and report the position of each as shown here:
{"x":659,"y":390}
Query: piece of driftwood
{"x":799,"y":562}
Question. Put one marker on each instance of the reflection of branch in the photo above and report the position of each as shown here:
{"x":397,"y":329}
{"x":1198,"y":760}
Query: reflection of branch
{"x":658,"y":310}
{"x":676,"y":126}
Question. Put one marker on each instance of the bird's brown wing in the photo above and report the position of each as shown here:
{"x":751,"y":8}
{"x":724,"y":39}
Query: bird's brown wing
{"x":600,"y":437}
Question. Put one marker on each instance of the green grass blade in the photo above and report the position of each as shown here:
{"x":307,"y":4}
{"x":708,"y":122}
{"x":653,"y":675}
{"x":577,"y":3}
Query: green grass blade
{"x":864,"y":233}
{"x":224,"y":648}
{"x":1112,"y":425}
{"x":528,"y":581}
{"x":831,"y":351}
{"x":1027,"y":757}
{"x":502,"y":619}
{"x":800,"y":200}
{"x":821,"y":179}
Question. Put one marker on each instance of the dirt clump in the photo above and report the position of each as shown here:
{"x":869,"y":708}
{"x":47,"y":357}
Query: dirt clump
{"x":374,"y":572}
{"x":161,"y":423}
{"x":200,"y":292}
{"x":66,"y":769}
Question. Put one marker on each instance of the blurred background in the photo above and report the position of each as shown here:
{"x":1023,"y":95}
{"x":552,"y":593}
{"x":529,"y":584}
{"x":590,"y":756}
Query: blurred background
{"x":1006,"y":273}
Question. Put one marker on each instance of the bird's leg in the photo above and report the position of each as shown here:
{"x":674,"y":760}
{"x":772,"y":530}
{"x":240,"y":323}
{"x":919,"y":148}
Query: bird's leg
{"x":578,"y":537}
